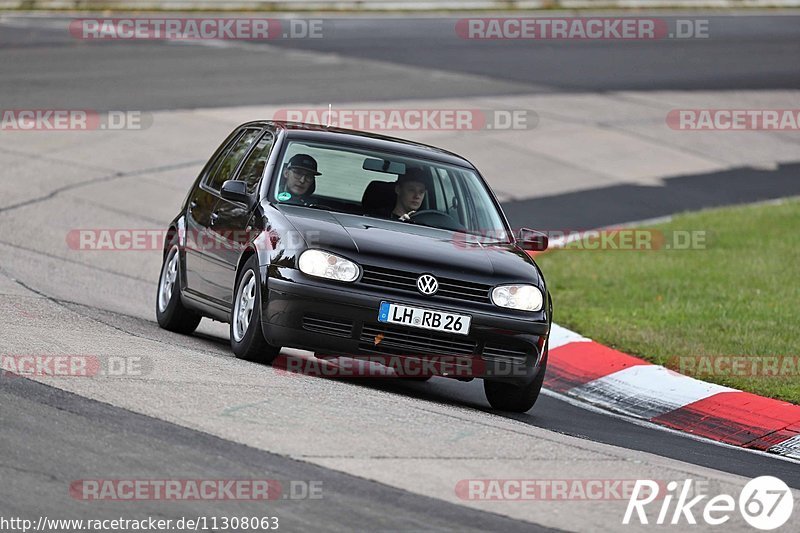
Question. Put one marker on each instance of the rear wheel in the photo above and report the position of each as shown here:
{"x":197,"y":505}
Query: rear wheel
{"x":247,"y":339}
{"x":170,"y":311}
{"x":510,"y":397}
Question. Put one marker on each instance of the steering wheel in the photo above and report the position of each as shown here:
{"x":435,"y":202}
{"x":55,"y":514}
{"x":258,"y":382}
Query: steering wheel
{"x":436,"y":219}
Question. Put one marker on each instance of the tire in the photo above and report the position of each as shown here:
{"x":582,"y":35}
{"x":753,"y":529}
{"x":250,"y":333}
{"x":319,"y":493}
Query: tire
{"x":170,"y":311}
{"x":247,"y":339}
{"x":509,"y":397}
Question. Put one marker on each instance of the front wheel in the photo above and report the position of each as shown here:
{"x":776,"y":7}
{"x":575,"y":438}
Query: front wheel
{"x":170,"y":311}
{"x":247,"y":339}
{"x":510,"y":397}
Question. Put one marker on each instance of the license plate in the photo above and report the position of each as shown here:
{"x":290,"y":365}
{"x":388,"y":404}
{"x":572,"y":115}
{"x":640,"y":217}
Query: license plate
{"x":417,"y":317}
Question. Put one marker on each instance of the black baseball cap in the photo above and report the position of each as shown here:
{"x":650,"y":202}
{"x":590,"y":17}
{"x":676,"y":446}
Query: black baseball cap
{"x":306,"y":162}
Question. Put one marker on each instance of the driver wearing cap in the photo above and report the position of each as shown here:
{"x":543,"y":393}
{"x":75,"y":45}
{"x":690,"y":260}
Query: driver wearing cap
{"x":300,"y":177}
{"x":410,"y":189}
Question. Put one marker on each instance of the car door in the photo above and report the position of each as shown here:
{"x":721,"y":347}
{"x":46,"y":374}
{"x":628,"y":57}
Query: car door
{"x":202,"y":267}
{"x":235,"y":221}
{"x":198,"y":219}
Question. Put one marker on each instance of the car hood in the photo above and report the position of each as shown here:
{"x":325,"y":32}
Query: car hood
{"x":386,"y":243}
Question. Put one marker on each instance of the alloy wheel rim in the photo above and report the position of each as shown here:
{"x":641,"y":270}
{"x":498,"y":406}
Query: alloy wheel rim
{"x":169,"y":276}
{"x":244,"y":305}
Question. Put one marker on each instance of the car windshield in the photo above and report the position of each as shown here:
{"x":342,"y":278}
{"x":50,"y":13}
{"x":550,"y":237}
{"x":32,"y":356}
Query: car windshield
{"x":389,"y":186}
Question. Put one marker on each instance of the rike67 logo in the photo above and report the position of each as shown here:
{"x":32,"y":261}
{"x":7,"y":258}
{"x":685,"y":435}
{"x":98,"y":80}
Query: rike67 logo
{"x":765,"y":503}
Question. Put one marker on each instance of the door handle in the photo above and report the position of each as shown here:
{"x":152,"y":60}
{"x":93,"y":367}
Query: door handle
{"x":192,"y":204}
{"x":214,"y":217}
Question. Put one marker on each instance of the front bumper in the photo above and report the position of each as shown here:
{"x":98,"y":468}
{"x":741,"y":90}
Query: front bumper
{"x":333,"y":319}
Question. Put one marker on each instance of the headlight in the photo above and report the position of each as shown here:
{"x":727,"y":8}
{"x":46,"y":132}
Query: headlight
{"x":324,"y":265}
{"x":522,"y":297}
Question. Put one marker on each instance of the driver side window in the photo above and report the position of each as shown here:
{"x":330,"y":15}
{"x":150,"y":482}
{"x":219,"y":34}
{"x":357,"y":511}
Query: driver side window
{"x":449,"y":195}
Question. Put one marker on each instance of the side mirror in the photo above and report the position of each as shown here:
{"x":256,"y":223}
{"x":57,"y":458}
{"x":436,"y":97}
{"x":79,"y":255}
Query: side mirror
{"x":532,"y":240}
{"x":236,"y":191}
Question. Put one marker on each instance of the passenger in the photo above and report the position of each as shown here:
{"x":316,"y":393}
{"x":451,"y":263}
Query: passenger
{"x":299,"y":179}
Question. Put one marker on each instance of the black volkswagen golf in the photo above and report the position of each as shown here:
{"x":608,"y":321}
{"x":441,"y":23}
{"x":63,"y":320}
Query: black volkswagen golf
{"x":358,"y":245}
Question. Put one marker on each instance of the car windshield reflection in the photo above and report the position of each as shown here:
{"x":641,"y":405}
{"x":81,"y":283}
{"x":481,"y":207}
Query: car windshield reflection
{"x":393,"y":187}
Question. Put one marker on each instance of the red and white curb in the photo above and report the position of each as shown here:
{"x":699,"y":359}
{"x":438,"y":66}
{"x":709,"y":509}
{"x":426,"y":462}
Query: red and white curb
{"x":588,"y":371}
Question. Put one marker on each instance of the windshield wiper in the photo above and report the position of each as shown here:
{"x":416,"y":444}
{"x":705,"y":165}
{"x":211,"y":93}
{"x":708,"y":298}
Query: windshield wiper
{"x":319,"y":206}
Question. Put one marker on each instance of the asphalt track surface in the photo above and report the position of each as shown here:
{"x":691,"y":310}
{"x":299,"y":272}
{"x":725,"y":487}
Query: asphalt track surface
{"x":48,"y":65}
{"x":618,"y":204}
{"x":121,"y":438}
{"x":49,"y":435}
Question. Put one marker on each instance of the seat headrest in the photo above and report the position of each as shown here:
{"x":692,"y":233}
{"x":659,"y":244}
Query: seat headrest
{"x":379,"y":196}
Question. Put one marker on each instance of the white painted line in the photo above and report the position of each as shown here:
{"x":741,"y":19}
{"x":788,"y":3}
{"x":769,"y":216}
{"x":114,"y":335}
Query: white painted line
{"x":645,"y":391}
{"x":560,"y":336}
{"x":788,"y":448}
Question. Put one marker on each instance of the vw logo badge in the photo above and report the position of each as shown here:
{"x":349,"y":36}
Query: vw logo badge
{"x":427,"y":284}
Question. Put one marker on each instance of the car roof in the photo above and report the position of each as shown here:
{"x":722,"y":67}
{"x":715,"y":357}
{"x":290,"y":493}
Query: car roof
{"x":319,"y":133}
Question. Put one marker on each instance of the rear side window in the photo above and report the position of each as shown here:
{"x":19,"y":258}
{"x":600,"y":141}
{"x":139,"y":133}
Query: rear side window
{"x":253,"y":168}
{"x":226,"y":165}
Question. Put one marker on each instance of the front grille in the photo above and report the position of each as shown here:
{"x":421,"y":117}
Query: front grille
{"x":504,"y":354}
{"x":407,"y":281}
{"x":339,"y":327}
{"x":402,"y":341}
